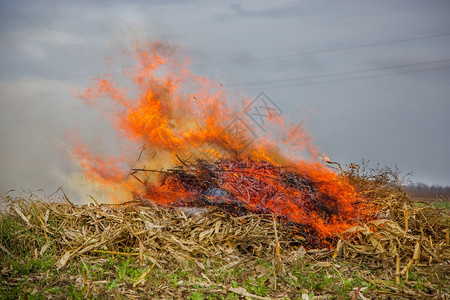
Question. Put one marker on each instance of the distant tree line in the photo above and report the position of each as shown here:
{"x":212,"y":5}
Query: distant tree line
{"x":420,"y":187}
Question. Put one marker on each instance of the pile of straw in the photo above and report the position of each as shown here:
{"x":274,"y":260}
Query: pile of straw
{"x":406,"y":236}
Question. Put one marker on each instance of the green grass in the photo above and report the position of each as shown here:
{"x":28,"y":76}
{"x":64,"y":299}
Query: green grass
{"x":121,"y":273}
{"x":28,"y":274}
{"x":437,"y":204}
{"x":38,"y":278}
{"x":106,"y":276}
{"x":441,"y":204}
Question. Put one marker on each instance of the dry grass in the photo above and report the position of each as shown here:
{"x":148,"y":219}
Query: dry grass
{"x":106,"y":251}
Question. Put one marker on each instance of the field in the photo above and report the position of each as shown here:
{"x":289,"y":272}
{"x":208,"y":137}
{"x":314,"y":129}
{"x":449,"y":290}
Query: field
{"x":53,"y":249}
{"x":438,"y":201}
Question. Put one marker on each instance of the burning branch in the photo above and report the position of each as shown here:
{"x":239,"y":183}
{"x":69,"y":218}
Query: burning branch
{"x":243,"y":186}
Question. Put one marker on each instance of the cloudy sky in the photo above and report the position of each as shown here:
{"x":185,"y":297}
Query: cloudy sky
{"x":371,"y":77}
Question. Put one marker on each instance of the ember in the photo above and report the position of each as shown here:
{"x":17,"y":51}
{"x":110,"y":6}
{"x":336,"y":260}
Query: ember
{"x":176,"y":112}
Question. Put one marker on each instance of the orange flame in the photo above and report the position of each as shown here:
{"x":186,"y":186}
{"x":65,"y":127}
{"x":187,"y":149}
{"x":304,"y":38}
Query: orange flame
{"x":176,"y":112}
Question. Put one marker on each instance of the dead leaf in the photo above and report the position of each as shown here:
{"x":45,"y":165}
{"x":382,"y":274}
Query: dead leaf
{"x":44,"y":248}
{"x":63,"y":261}
{"x":19,"y":212}
{"x":243,"y":292}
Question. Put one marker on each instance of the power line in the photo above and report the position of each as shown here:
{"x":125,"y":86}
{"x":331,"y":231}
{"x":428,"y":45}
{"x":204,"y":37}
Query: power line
{"x":350,"y":79}
{"x":341,"y":73}
{"x":330,"y":50}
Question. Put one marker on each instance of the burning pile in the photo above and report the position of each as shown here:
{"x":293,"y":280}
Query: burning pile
{"x":176,"y":112}
{"x":316,"y":208}
{"x":275,"y":202}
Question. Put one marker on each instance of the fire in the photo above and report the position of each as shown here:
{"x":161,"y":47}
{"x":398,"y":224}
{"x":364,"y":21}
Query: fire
{"x":181,"y":117}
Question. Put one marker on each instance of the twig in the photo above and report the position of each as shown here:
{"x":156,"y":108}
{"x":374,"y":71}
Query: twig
{"x":143,"y":275}
{"x":19,"y":212}
{"x":181,"y":161}
{"x":149,"y":170}
{"x":406,"y":216}
{"x":277,"y":264}
{"x":135,"y":177}
{"x":6,"y":251}
{"x":67,"y":198}
{"x":397,"y":268}
{"x":336,"y":163}
{"x":447,"y":236}
{"x":139,"y":158}
{"x":416,"y":256}
{"x":96,"y":203}
{"x":115,"y":252}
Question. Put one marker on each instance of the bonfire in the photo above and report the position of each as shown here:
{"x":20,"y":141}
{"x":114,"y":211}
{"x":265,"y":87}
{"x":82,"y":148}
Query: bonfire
{"x":225,"y":162}
{"x":221,"y":201}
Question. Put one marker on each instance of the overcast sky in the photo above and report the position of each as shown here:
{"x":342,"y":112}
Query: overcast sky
{"x":371,"y":77}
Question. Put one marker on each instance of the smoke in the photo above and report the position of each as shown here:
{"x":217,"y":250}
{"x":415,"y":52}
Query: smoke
{"x":35,"y":115}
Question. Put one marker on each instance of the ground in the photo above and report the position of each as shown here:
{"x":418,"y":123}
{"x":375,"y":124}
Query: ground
{"x":53,"y":249}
